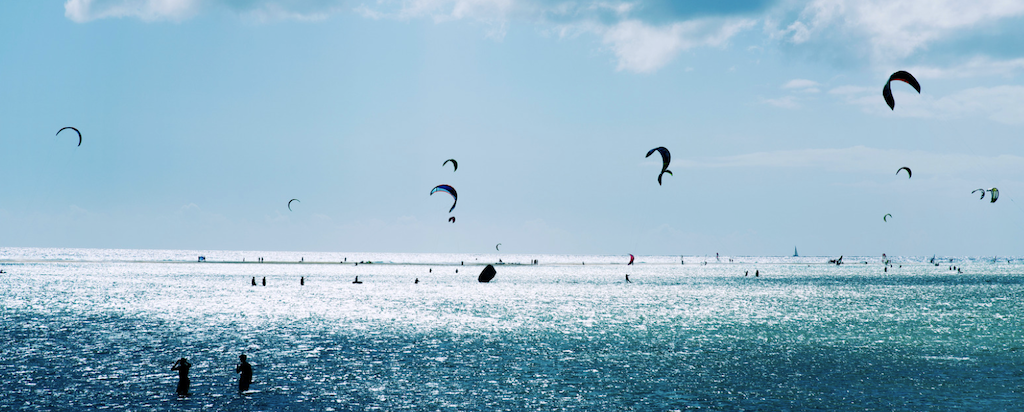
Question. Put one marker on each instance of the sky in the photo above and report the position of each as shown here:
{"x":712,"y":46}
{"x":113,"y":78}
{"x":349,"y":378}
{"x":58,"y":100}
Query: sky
{"x":201,"y":119}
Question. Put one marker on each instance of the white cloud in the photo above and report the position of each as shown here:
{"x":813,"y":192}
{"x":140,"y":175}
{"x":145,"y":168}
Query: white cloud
{"x":82,"y":11}
{"x":895,"y":29}
{"x":800,"y":84}
{"x":860,"y":159}
{"x":1003,"y":104}
{"x":644,"y":48}
{"x":149,"y":10}
{"x":785,"y":102}
{"x":975,"y":67}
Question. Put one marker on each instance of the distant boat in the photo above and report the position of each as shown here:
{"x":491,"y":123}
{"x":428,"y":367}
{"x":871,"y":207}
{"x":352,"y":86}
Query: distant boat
{"x":794,"y":252}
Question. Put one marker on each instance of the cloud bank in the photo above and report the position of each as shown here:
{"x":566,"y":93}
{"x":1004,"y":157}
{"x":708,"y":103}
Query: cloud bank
{"x":647,"y":35}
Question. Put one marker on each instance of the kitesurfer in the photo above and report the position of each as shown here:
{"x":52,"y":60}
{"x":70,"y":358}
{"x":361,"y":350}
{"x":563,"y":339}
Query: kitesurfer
{"x":757,"y":273}
{"x":254,"y":280}
{"x":357,"y":281}
{"x":264,"y":281}
{"x":627,"y":278}
{"x":417,"y":281}
{"x":302,"y":281}
{"x":182,"y":366}
{"x":747,"y":273}
{"x":245,"y":371}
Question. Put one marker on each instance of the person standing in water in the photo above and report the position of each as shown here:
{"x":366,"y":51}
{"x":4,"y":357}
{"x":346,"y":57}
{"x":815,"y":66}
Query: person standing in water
{"x":264,"y":281}
{"x":182,"y":366}
{"x":245,"y":371}
{"x":302,"y":281}
{"x":627,"y":278}
{"x":254,"y":280}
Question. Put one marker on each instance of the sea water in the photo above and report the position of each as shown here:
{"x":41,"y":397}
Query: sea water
{"x":86,"y":329}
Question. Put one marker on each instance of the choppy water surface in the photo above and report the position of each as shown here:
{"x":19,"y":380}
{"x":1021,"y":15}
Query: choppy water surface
{"x":99,"y":329}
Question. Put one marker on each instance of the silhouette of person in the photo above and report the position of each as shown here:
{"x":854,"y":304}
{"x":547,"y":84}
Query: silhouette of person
{"x":302,"y":281}
{"x":182,"y":366}
{"x":357,"y":280}
{"x":417,"y":281}
{"x":757,"y":273}
{"x":264,"y":281}
{"x":254,"y":280}
{"x":627,"y":279}
{"x":245,"y":371}
{"x":431,"y":270}
{"x":747,"y":273}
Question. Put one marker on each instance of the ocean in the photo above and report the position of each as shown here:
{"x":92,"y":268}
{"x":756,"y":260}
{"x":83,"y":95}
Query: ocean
{"x":95,"y":329}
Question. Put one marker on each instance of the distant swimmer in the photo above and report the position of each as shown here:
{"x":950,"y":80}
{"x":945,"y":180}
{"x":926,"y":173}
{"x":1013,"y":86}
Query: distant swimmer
{"x":757,"y":273}
{"x":627,"y":279}
{"x":254,"y":280}
{"x":245,"y":371}
{"x":264,"y":281}
{"x":302,"y":281}
{"x":182,"y":366}
{"x":417,"y":281}
{"x":357,"y":281}
{"x":747,"y":273}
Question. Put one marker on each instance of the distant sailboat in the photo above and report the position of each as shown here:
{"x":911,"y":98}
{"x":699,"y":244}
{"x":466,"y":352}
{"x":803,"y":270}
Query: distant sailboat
{"x":794,"y":252}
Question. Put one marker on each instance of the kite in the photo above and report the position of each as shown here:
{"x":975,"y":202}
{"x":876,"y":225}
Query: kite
{"x":447,"y":189}
{"x":76,"y":131}
{"x":886,"y":217}
{"x":290,"y":203}
{"x":909,"y":173}
{"x":454,"y":163}
{"x":903,"y":77}
{"x":666,"y":158}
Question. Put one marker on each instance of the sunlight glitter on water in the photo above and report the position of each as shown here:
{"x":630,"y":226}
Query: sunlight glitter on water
{"x":100,"y":328}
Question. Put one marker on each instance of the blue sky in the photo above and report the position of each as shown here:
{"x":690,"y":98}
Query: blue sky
{"x":201,"y":119}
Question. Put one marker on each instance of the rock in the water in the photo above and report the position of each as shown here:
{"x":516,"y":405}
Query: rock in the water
{"x":487,"y":274}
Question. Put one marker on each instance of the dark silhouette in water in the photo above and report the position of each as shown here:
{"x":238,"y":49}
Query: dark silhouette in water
{"x":245,"y":371}
{"x":627,"y":278}
{"x":254,"y":280}
{"x":417,"y":281}
{"x":302,"y":281}
{"x":264,"y":281}
{"x":357,"y":281}
{"x":431,"y":270}
{"x":182,"y":366}
{"x":487,"y":274}
{"x":747,"y":273}
{"x":757,"y":273}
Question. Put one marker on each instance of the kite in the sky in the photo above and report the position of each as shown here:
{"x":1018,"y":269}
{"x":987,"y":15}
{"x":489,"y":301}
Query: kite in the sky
{"x":449,"y":190}
{"x":454,"y":163}
{"x":666,"y":158}
{"x":979,"y":190}
{"x":630,"y":259}
{"x":994,"y":195}
{"x":76,"y":131}
{"x":886,"y":217}
{"x":909,"y":173}
{"x":290,"y":203}
{"x":452,"y":219}
{"x":496,"y":247}
{"x":903,"y":77}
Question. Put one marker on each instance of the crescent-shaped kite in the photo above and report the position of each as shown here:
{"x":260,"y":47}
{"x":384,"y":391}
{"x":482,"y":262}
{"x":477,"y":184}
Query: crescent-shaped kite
{"x":909,"y":173}
{"x":290,"y":203}
{"x":76,"y":131}
{"x":903,"y":77}
{"x":994,"y":195}
{"x":496,"y":247}
{"x":666,"y":158}
{"x":449,"y":190}
{"x":452,"y":219}
{"x":886,"y":217}
{"x":979,"y":190}
{"x":454,"y":163}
